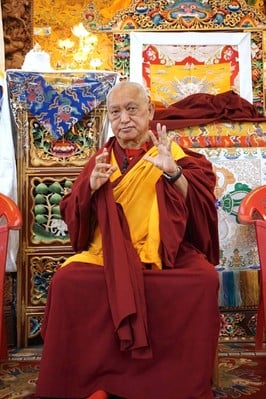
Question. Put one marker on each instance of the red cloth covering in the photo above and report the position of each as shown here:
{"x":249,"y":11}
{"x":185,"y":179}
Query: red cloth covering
{"x":82,"y":350}
{"x":203,"y":108}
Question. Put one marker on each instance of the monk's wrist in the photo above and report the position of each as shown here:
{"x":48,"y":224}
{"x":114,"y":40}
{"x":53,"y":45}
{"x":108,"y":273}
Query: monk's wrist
{"x":172,"y":177}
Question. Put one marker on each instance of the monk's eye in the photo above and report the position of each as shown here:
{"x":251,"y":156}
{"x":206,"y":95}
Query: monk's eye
{"x":132,"y":110}
{"x":115,"y":112}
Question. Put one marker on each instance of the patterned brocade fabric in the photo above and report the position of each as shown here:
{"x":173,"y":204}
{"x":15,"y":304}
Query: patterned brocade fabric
{"x":59,"y":100}
{"x":223,"y":134}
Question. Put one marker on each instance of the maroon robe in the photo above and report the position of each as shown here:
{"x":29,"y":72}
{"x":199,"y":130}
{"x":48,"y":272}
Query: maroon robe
{"x":202,"y":108}
{"x":172,"y":325}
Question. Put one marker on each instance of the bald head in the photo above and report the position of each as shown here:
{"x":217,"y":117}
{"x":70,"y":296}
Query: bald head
{"x":124,"y":86}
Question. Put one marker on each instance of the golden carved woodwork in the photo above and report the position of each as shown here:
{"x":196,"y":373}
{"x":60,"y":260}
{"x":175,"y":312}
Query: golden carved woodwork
{"x":104,"y":18}
{"x":55,"y":21}
{"x":17,"y":27}
{"x":27,"y":22}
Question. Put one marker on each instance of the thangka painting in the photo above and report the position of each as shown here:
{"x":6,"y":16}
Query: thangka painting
{"x":238,"y":171}
{"x":175,"y":65}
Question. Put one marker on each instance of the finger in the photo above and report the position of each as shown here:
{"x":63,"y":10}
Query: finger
{"x":153,"y":138}
{"x":104,"y":173}
{"x":164,"y":131}
{"x":102,"y":165}
{"x":98,"y":159}
{"x":102,"y":157}
{"x":159,"y":127}
{"x":162,"y":134}
{"x":148,"y":158}
{"x":159,"y":132}
{"x":152,"y":160}
{"x":111,"y":170}
{"x":168,"y":145}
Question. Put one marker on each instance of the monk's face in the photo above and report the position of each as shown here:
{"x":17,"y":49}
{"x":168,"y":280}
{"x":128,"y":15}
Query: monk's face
{"x":129,"y":113}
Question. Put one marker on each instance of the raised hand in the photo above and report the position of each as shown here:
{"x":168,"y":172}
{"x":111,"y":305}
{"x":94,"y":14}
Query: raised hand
{"x":164,"y":160}
{"x":102,"y":171}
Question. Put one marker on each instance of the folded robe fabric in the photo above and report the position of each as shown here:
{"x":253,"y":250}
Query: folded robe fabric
{"x":124,"y":279}
{"x":202,"y":108}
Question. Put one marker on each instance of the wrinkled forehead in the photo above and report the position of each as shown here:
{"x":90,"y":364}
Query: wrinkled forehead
{"x":120,"y":96}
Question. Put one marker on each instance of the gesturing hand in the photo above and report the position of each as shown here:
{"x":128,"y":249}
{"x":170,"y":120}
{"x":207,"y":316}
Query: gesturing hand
{"x":101,"y":172}
{"x":164,"y":160}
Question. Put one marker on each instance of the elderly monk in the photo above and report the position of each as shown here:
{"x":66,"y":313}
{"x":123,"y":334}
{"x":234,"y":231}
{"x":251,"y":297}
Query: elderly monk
{"x":134,"y":313}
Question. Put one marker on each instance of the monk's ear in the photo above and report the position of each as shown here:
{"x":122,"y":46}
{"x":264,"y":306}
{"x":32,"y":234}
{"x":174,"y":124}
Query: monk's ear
{"x":151,"y":110}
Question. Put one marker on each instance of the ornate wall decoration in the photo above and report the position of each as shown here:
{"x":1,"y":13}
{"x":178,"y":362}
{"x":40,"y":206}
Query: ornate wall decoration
{"x":257,"y":48}
{"x":227,"y":135}
{"x":239,"y":261}
{"x":60,"y":117}
{"x":17,"y":27}
{"x":59,"y":123}
{"x":110,"y":22}
{"x":237,"y":326}
{"x":189,"y":15}
{"x":54,"y":23}
{"x":234,"y":180}
{"x":259,"y":4}
{"x":46,"y":226}
{"x":42,"y":272}
{"x":178,"y":15}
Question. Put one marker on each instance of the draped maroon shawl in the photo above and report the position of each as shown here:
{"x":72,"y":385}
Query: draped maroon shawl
{"x":202,"y":108}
